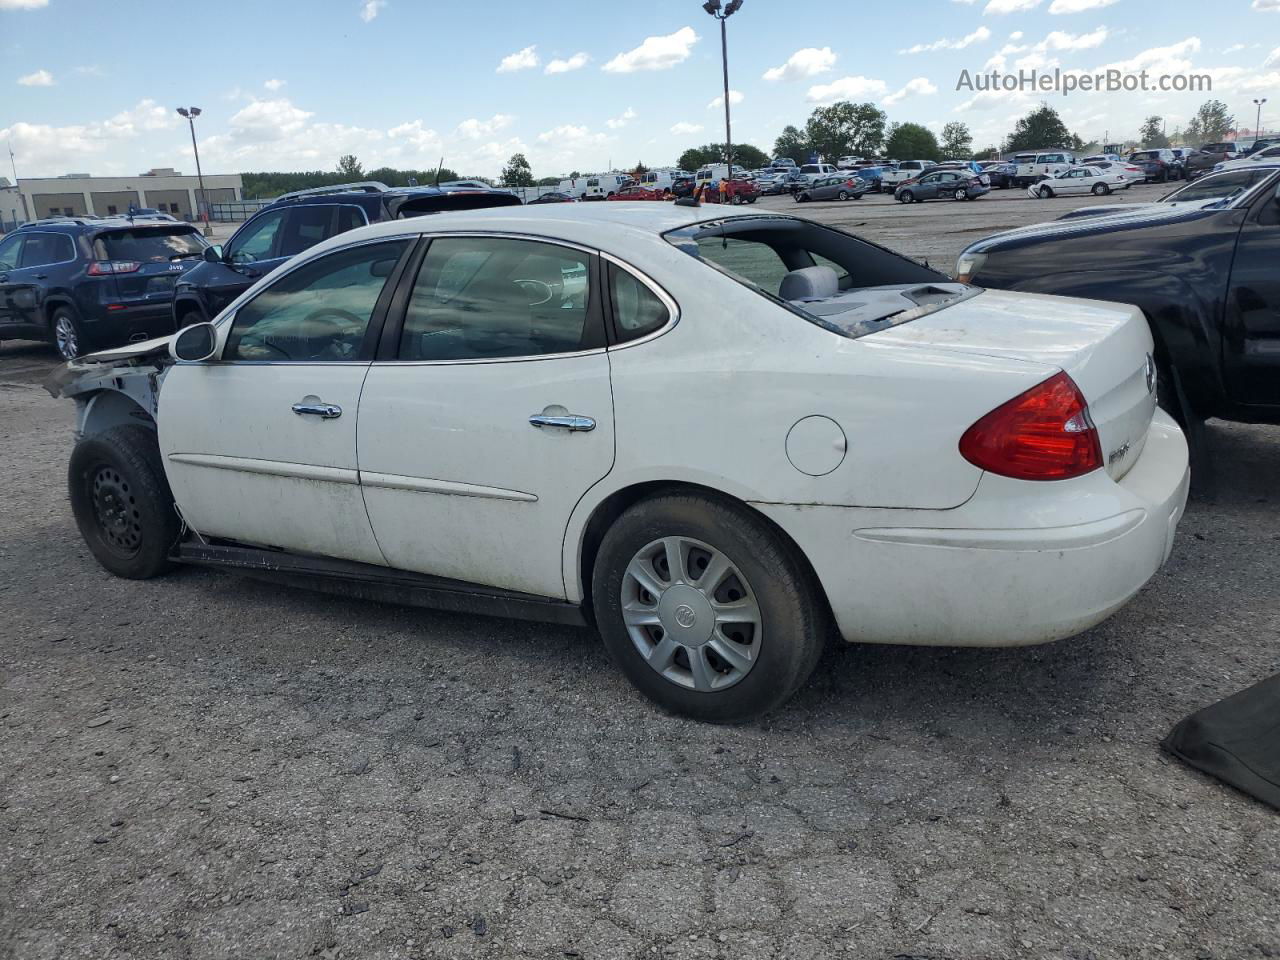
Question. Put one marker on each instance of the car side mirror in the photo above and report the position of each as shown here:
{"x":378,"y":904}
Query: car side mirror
{"x":213,"y":254}
{"x":194,"y":343}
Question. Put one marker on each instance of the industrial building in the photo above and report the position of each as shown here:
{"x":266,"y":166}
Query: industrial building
{"x":163,"y":189}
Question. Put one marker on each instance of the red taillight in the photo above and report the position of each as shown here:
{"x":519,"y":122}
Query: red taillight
{"x":105,"y":268}
{"x":1045,"y":433}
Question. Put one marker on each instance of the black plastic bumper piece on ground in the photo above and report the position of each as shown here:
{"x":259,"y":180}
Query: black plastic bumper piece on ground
{"x":1236,"y":740}
{"x":368,"y":582}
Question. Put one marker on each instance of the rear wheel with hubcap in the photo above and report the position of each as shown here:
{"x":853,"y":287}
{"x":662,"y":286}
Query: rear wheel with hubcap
{"x":1101,"y":189}
{"x":843,"y":195}
{"x":906,"y":196}
{"x":708,"y":611}
{"x":961,"y":194}
{"x":64,"y":333}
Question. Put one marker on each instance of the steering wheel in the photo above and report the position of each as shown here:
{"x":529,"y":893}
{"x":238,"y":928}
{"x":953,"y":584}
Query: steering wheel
{"x":539,"y":291}
{"x":341,"y":321}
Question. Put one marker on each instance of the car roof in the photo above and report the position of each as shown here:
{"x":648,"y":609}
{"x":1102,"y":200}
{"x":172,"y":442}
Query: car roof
{"x":84,"y":224}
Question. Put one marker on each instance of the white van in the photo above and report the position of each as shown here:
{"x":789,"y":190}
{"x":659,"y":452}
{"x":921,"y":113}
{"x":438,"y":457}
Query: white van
{"x":661,"y":179}
{"x":816,"y":171}
{"x":715,"y":171}
{"x":595,"y":187}
{"x":1034,"y":167}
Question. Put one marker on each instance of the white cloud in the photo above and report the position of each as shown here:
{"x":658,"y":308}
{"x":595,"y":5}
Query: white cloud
{"x":370,"y":9}
{"x":23,"y":4}
{"x":415,"y":135}
{"x":1174,"y":58}
{"x":684,"y":128}
{"x":1058,"y":40}
{"x":920,"y":86}
{"x":1273,"y":58}
{"x":1077,"y":6}
{"x":576,"y":62}
{"x":266,"y":120}
{"x":979,"y":35}
{"x":41,"y":78}
{"x":525,"y":59}
{"x":620,"y":121}
{"x":273,"y":84}
{"x":735,"y":98}
{"x":566,"y":131}
{"x":656,"y":53}
{"x":846,"y":88}
{"x":474,"y":129}
{"x":808,"y":62}
{"x":1234,"y":48}
{"x":1010,"y":6}
{"x":147,"y":115}
{"x":1272,"y":5}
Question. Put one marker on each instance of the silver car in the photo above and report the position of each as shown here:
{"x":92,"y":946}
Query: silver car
{"x":843,"y":187}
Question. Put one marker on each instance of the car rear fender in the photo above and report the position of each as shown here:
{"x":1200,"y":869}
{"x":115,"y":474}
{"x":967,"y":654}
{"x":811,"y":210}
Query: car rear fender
{"x":1183,"y":322}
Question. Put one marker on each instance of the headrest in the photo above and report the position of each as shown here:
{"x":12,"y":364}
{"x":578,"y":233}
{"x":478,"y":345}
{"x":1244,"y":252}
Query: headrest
{"x":809,"y":283}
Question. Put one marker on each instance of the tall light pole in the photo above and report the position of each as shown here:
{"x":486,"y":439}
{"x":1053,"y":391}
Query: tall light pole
{"x":713,"y":7}
{"x":1257,"y":123}
{"x":191,"y":113}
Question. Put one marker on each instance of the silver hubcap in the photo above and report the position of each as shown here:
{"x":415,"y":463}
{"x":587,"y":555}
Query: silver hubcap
{"x":691,"y":614}
{"x":64,"y":332}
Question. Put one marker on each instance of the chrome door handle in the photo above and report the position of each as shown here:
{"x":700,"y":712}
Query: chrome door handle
{"x":327,"y":411}
{"x":570,"y":422}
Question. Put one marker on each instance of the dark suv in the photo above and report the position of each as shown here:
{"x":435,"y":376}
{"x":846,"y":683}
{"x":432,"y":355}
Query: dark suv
{"x":300,"y":220}
{"x":85,"y":284}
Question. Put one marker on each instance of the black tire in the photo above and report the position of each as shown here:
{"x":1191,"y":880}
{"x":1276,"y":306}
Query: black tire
{"x":190,"y":318}
{"x":1101,"y":189}
{"x":794,"y":621}
{"x":843,"y":195}
{"x":907,"y":196}
{"x":1045,"y":193}
{"x":122,"y":502}
{"x":66,"y":334}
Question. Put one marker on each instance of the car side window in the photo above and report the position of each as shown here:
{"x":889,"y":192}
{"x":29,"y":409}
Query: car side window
{"x":257,"y":240}
{"x":749,"y":260}
{"x":480,"y":298}
{"x":10,"y":251}
{"x":304,"y":227}
{"x":44,"y":248}
{"x":317,"y":313}
{"x":637,"y":310}
{"x":349,"y":218}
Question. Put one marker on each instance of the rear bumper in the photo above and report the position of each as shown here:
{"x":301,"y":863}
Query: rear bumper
{"x":1019,"y":563}
{"x":133,"y":323}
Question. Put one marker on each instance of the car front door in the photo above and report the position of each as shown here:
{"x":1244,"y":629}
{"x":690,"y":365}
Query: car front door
{"x":260,"y":443}
{"x":928,"y":186}
{"x":1252,"y":341}
{"x":24,"y":287}
{"x":489,"y":412}
{"x":10,"y":255}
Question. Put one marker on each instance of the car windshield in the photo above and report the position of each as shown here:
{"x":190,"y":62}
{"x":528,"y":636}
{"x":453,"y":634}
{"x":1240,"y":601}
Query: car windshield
{"x":1224,"y":187}
{"x":149,"y":243}
{"x":830,"y":278}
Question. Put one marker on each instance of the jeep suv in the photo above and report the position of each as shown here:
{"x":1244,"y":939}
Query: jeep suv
{"x":85,"y":284}
{"x":297,"y":221}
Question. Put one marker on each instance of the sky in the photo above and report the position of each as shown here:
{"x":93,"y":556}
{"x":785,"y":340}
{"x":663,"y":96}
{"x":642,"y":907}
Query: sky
{"x":572,"y":84}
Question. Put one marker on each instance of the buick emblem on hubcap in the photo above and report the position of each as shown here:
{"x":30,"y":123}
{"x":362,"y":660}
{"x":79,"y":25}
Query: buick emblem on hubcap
{"x":685,"y":616}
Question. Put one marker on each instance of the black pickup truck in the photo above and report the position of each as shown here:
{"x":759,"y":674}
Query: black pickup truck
{"x":1205,"y":269}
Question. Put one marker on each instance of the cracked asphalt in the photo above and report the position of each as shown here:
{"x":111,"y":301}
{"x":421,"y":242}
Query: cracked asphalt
{"x":203,"y":766}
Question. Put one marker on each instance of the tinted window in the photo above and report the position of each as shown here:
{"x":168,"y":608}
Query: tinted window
{"x":1232,"y":183}
{"x":304,"y":227}
{"x":349,"y":218}
{"x":148,"y":244}
{"x":479,"y":298}
{"x":46,"y":248}
{"x":10,"y":250}
{"x":317,"y":313}
{"x":256,"y":239}
{"x":637,"y":311}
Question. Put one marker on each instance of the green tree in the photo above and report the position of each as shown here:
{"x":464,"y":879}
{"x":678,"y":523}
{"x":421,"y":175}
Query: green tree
{"x":1042,"y":127}
{"x":1211,"y":122}
{"x":957,"y":141}
{"x":1151,"y":133}
{"x":845,"y":129}
{"x":911,"y":141}
{"x":349,"y":167}
{"x":548,"y":182}
{"x":517,"y":172}
{"x":743,"y":153}
{"x":791,"y":143}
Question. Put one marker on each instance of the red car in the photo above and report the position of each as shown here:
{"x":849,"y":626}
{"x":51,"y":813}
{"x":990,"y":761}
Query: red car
{"x":638,"y":193}
{"x":736,"y":191}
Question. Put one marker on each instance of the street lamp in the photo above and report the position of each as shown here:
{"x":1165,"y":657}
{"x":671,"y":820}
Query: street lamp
{"x":191,"y":113}
{"x":1257,"y":123}
{"x":713,"y":7}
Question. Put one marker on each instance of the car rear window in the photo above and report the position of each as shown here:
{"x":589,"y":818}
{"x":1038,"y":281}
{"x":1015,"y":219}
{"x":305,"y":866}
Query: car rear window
{"x":148,"y":243}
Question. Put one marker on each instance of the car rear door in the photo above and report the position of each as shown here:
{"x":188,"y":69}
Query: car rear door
{"x":260,"y":444}
{"x":38,"y":267}
{"x":1252,"y":317}
{"x":489,"y":412}
{"x":10,"y":256}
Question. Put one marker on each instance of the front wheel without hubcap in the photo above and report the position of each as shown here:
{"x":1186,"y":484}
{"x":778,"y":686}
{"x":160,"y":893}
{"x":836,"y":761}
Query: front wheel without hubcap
{"x":1045,"y":193}
{"x":706,"y":609}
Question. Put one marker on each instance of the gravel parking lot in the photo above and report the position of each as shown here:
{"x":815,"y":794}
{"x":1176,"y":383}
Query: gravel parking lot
{"x":204,"y":767}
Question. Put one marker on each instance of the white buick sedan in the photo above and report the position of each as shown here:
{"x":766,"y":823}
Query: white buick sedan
{"x":1080,"y":180}
{"x":713,"y":435}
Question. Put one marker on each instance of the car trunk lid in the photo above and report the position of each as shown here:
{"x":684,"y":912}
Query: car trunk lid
{"x":1106,"y":348}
